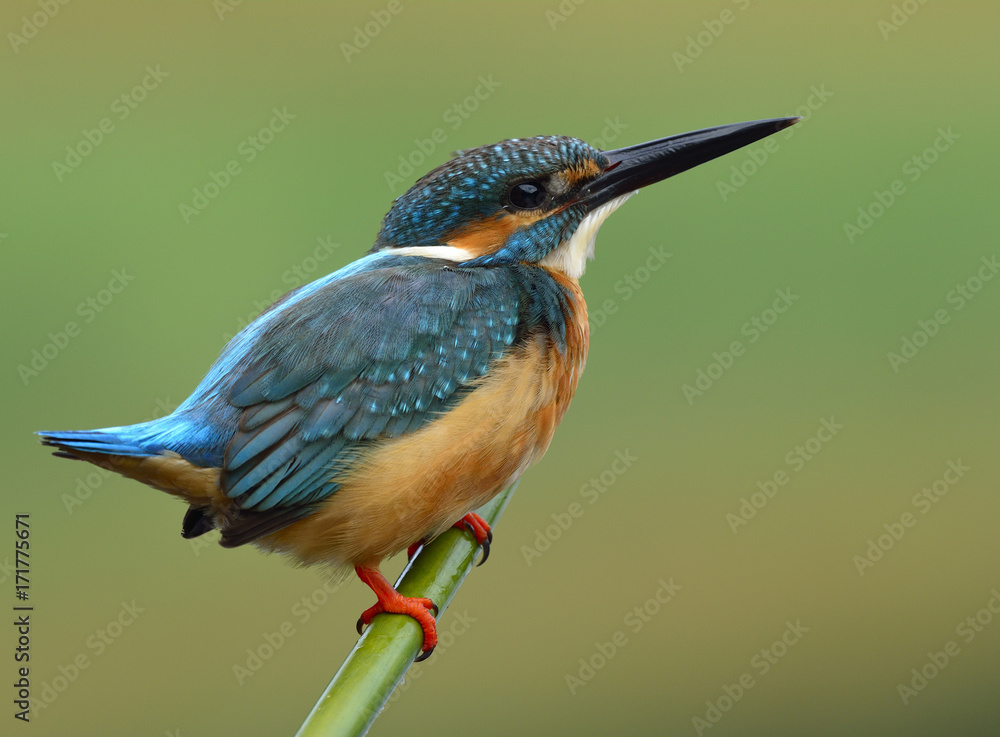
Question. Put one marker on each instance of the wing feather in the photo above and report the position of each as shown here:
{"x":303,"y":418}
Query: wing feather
{"x":373,"y":355}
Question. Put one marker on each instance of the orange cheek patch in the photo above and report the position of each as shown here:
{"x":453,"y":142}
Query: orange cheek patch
{"x":484,"y":237}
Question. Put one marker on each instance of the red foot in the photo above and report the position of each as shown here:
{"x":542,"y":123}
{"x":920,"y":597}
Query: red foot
{"x":472,"y":522}
{"x":391,"y":601}
{"x":481,"y":529}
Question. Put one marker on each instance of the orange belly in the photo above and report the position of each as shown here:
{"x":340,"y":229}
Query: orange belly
{"x":418,"y":485}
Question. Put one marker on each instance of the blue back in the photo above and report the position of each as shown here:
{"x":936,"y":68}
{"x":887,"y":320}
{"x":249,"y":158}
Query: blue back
{"x":372,"y":351}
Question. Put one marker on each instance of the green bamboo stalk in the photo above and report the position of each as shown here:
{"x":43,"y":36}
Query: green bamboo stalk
{"x":380,"y":659}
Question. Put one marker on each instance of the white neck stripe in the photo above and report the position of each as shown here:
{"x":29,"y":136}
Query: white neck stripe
{"x":451,"y":253}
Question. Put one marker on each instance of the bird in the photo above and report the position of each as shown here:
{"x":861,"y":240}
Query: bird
{"x":380,"y":405}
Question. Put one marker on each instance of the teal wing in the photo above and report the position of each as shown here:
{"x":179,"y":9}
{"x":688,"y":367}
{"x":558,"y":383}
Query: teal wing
{"x":372,"y":355}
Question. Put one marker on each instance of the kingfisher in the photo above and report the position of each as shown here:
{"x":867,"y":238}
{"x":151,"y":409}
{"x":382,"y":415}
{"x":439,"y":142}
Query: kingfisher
{"x":378,"y":406}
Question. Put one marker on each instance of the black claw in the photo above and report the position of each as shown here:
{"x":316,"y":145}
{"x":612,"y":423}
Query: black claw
{"x":424,"y":655}
{"x":486,"y":544}
{"x":486,"y":548}
{"x":361,"y":626}
{"x":435,"y":609}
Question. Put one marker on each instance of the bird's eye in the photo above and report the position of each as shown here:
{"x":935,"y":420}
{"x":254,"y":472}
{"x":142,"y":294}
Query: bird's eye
{"x":527,"y":195}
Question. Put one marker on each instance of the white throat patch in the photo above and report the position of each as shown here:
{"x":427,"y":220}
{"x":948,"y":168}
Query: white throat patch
{"x":451,"y":253}
{"x":570,"y":257}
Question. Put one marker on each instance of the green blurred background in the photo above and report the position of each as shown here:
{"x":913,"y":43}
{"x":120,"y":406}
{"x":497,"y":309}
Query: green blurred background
{"x":104,"y":245}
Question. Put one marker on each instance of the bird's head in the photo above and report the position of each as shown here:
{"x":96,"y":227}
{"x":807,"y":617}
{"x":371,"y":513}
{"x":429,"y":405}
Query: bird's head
{"x":541,"y":200}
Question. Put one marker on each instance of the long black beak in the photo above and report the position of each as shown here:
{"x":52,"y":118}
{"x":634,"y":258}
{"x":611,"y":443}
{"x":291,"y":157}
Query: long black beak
{"x":647,"y":163}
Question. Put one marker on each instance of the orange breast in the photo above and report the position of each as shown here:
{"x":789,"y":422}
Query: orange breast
{"x":577,"y":337}
{"x":418,"y":485}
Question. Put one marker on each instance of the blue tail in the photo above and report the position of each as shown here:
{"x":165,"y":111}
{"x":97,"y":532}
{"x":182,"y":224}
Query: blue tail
{"x":182,"y":432}
{"x":181,"y":438}
{"x":107,"y":442}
